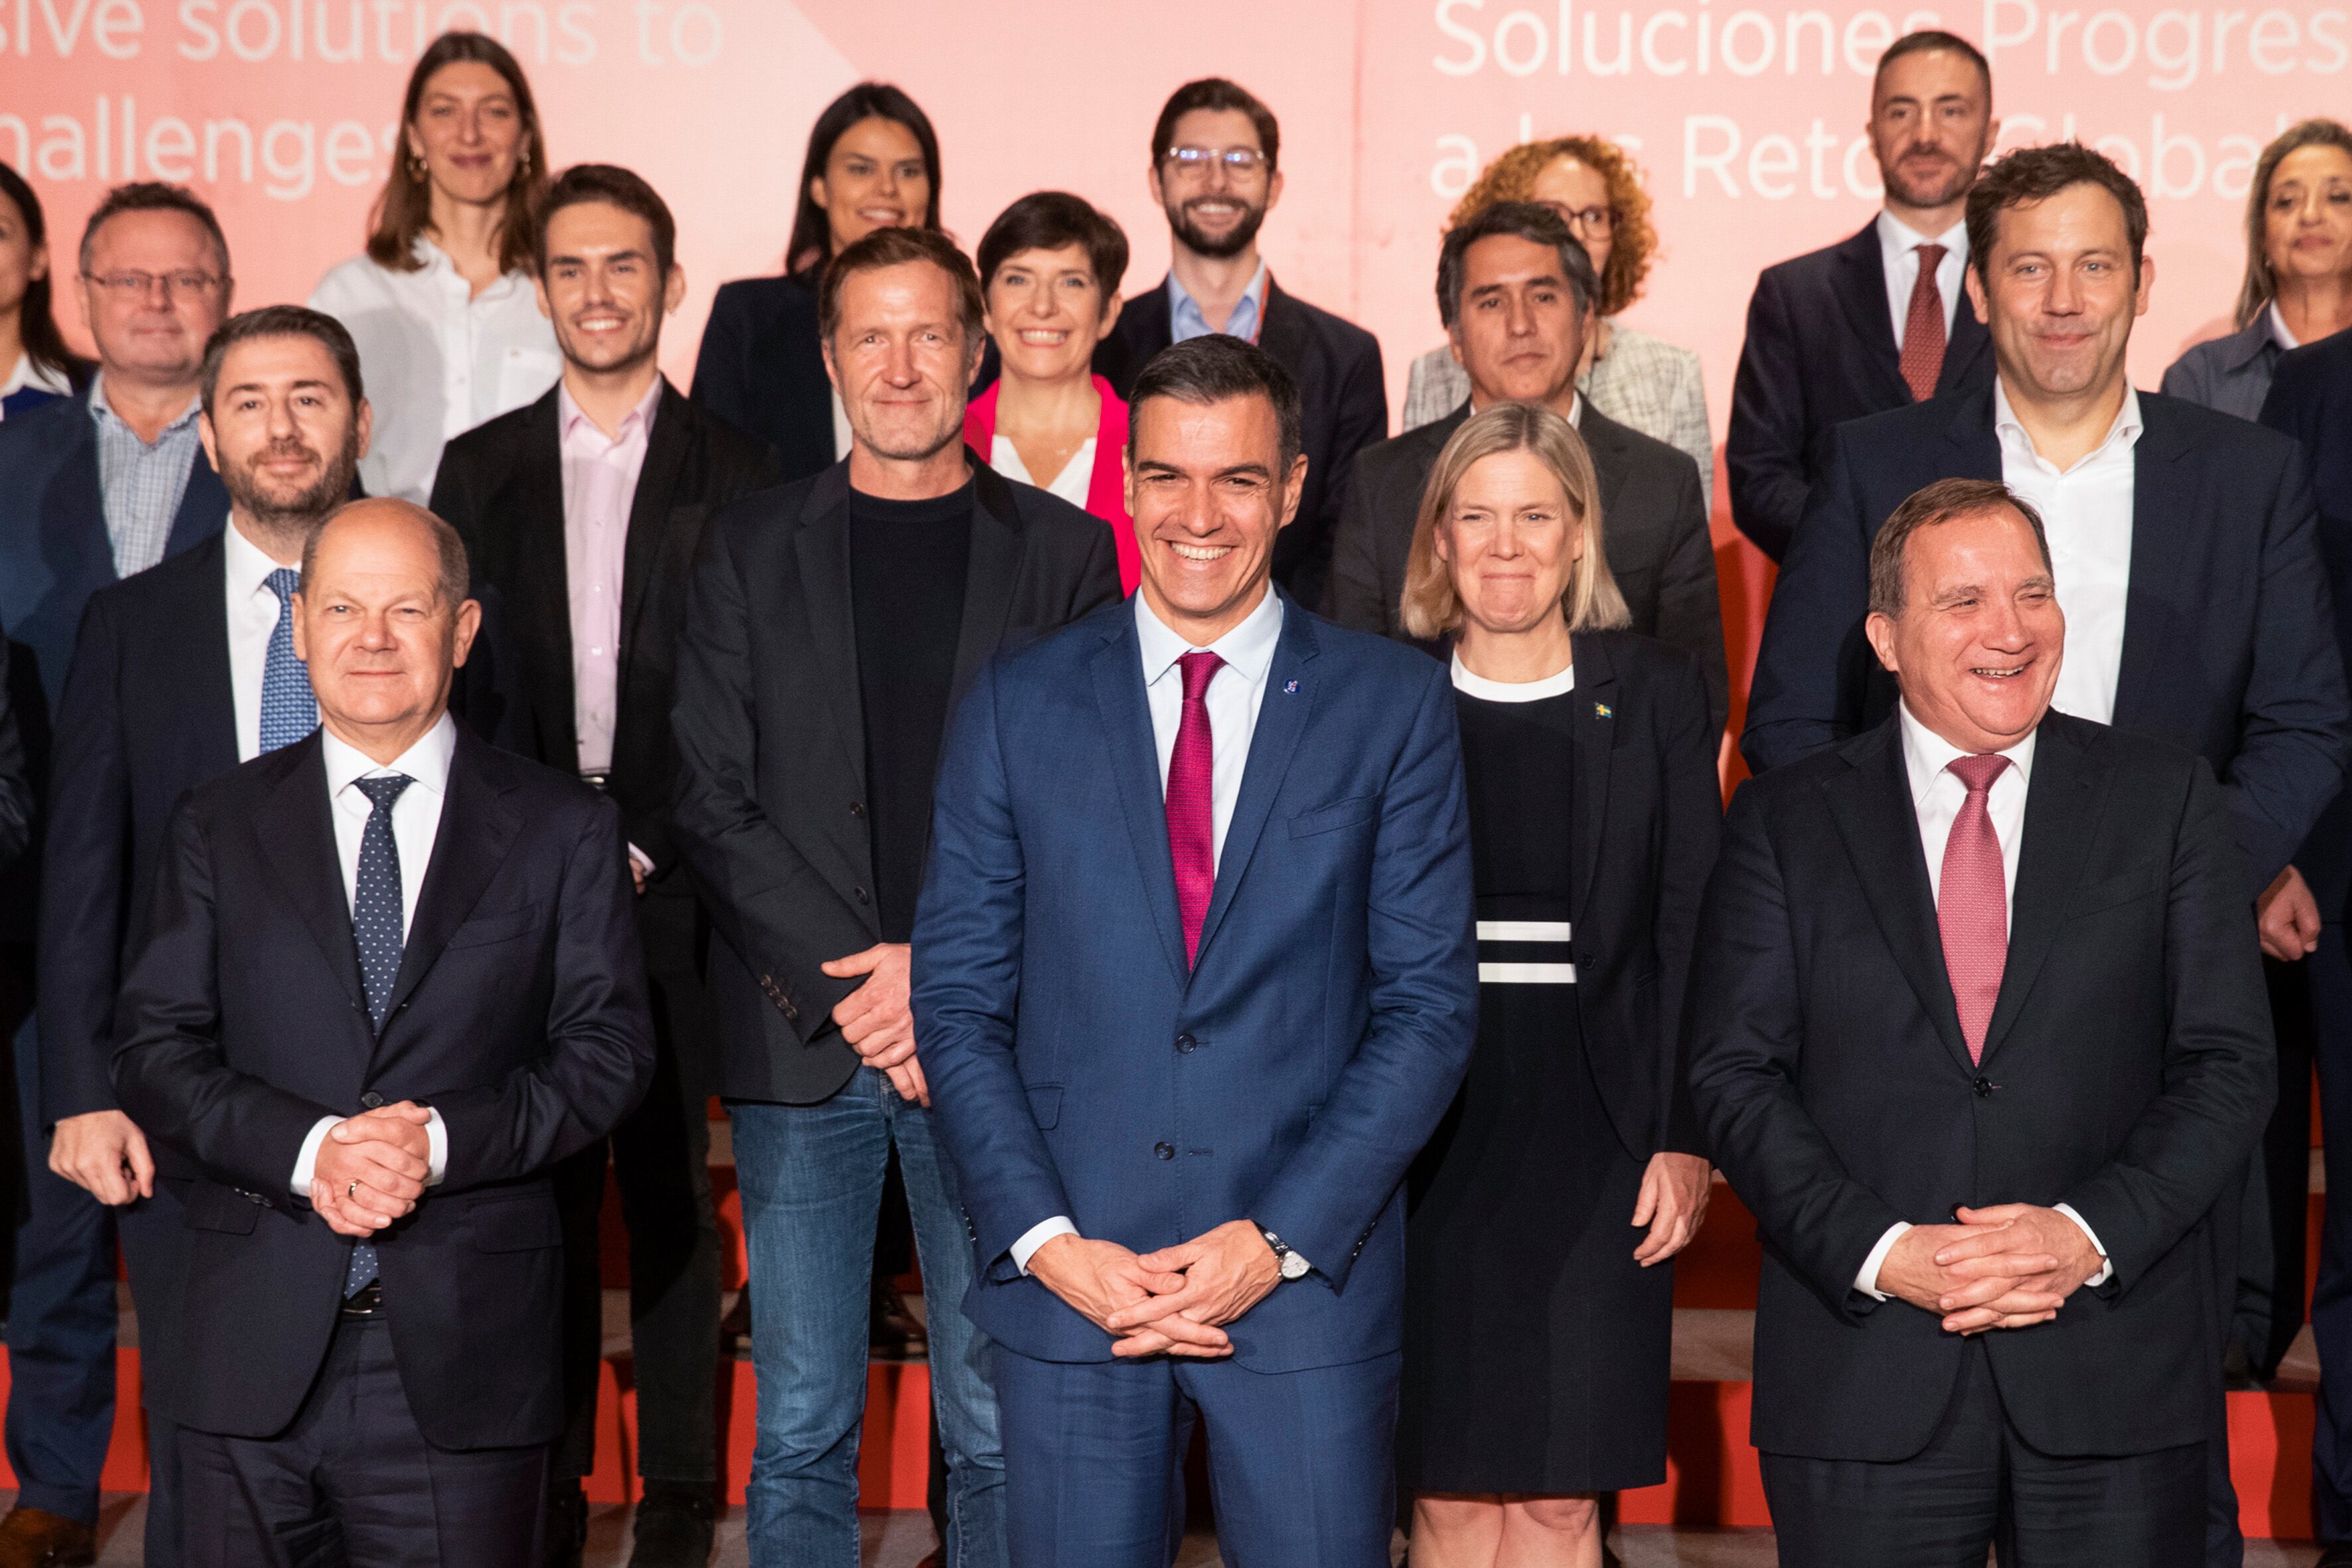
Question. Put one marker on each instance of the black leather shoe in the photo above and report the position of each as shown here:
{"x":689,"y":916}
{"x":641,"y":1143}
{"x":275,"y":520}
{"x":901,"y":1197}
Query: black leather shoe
{"x":675,"y":1527}
{"x":566,"y":1535}
{"x":893,"y":1332}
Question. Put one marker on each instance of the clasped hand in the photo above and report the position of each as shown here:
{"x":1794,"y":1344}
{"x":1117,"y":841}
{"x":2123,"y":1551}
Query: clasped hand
{"x":878,"y":1018}
{"x":372,"y":1169}
{"x":1174,"y":1301}
{"x":2007,"y":1266}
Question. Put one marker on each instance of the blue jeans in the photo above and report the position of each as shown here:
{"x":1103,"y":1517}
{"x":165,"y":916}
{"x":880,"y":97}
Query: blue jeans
{"x":810,"y":1177}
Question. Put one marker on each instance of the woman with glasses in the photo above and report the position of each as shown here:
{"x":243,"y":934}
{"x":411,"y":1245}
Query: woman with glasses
{"x":873,"y":163}
{"x":2298,"y":287}
{"x":1050,"y":268}
{"x":441,"y":304}
{"x":1631,"y":376}
{"x":1538,"y":1295}
{"x":39,"y":367}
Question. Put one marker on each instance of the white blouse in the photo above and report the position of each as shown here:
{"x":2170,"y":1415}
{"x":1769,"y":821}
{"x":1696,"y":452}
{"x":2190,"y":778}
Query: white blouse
{"x":437,"y":358}
{"x":1071,"y":484}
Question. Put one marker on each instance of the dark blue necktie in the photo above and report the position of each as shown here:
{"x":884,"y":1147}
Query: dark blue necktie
{"x":289,"y":711}
{"x":376,"y":929}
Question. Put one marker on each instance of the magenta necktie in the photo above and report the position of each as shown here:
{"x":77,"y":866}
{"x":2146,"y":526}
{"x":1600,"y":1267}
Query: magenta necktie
{"x":1192,"y":796}
{"x":1923,"y":327}
{"x":1972,"y":903}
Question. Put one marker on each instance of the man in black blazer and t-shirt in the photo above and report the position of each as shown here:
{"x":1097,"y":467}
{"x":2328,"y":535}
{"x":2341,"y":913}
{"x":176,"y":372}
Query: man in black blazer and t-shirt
{"x":581,"y":514}
{"x":831,"y":624}
{"x":391,"y":978}
{"x":1215,"y":172}
{"x":1516,"y":289}
{"x":1984,"y":1041}
{"x":1831,"y":335}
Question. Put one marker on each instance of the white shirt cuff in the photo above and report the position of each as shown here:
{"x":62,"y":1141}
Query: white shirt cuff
{"x":641,"y":860}
{"x":1037,"y":1236}
{"x":1865,"y":1279}
{"x":2106,"y":1264}
{"x":437,"y":1158}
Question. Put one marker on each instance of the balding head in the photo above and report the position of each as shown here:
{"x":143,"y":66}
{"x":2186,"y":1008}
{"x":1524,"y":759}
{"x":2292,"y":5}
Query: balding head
{"x":383,"y":620}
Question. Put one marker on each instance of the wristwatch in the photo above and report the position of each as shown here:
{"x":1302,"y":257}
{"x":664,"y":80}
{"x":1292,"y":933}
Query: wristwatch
{"x":1293,"y":1265}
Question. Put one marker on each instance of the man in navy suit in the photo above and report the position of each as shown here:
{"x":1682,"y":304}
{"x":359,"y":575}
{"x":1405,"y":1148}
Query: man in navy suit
{"x":2197,"y":600}
{"x":92,"y":489}
{"x":1195,"y":978}
{"x":1864,"y":326}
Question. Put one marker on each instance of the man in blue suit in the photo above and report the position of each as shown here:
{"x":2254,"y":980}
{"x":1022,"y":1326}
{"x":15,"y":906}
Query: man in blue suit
{"x":92,"y":489}
{"x":1195,"y":978}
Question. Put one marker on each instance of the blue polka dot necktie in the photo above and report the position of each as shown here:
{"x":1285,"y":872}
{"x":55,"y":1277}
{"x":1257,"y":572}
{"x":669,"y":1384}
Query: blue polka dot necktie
{"x":289,"y":711}
{"x":376,"y":929}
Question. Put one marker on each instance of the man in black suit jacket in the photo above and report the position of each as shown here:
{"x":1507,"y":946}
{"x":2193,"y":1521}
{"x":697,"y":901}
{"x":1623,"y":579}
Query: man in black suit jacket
{"x":1829,"y":334}
{"x":15,"y":784}
{"x":391,"y":978}
{"x":581,"y":514}
{"x":1985,"y":1171}
{"x":831,"y":623}
{"x":179,"y":672}
{"x":1216,"y":173}
{"x":1516,"y":289}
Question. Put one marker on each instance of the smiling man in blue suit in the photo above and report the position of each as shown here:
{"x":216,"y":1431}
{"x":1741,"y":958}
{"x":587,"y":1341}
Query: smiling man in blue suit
{"x":1194,"y":977}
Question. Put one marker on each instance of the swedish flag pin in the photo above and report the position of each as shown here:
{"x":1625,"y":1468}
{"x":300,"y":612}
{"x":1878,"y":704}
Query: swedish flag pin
{"x":1602,"y":710}
{"x":1290,"y":688}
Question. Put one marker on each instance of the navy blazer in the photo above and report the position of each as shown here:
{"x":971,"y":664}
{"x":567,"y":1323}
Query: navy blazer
{"x":1343,"y":408}
{"x":1077,"y":1069}
{"x":1821,"y":351}
{"x":519,"y":1013}
{"x":761,"y":369}
{"x":2127,"y":1071}
{"x":2228,"y":638}
{"x":2311,"y":400}
{"x":15,"y":784}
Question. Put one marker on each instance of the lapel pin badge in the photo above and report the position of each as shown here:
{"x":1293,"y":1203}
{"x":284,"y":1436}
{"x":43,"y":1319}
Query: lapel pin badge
{"x":1290,"y":688}
{"x":1602,"y":710}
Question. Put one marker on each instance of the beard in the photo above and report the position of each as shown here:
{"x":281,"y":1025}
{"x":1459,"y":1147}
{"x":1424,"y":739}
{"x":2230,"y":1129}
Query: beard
{"x":1221,"y":247}
{"x":1929,"y":190}
{"x":281,"y":510}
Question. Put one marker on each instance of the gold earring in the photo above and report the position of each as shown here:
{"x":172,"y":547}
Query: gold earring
{"x":416,"y":169}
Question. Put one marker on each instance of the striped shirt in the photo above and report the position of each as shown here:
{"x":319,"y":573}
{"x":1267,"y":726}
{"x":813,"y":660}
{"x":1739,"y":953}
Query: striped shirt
{"x":140,"y":482}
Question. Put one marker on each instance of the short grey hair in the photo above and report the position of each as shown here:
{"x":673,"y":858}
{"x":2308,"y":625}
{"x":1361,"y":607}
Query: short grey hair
{"x":454,"y":583}
{"x":1945,"y":500}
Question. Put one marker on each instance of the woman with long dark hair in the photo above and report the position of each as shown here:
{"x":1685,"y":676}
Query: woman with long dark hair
{"x":38,"y":368}
{"x":873,"y":163}
{"x":441,"y":304}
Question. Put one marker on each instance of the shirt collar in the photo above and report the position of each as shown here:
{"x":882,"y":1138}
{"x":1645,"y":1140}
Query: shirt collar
{"x":426,"y":761}
{"x":1895,"y":238}
{"x":249,"y":565}
{"x":1926,"y":754}
{"x":101,"y":411}
{"x":27,"y":374}
{"x":2123,"y":432}
{"x":434,"y":262}
{"x":1248,"y":648}
{"x":2276,"y":323}
{"x":570,"y":416}
{"x":1179,"y":299}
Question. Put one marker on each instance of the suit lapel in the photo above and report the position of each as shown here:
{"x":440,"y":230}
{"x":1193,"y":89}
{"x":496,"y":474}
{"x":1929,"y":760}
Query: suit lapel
{"x":1862,"y":292}
{"x":541,"y":578}
{"x":1971,"y":340}
{"x":1871,"y":805}
{"x":2064,"y":803}
{"x":478,"y":828}
{"x":204,"y":508}
{"x":1135,"y":770}
{"x":822,"y":542}
{"x":1596,"y":742}
{"x":297,"y":839}
{"x":209,"y":695}
{"x":666,"y":447}
{"x":991,"y":571}
{"x":1282,"y":718}
{"x":2164,"y":540}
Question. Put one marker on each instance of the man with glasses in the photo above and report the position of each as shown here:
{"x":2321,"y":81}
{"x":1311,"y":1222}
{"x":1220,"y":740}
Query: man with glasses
{"x":92,"y":489}
{"x":1215,"y":172}
{"x":1873,"y":322}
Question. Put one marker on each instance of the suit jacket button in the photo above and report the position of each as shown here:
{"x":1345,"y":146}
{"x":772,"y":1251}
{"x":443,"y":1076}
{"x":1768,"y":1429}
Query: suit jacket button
{"x":791,"y":1012}
{"x":862,"y":897}
{"x":857,"y":809}
{"x":1185,"y":1045}
{"x":372,"y":1099}
{"x":1164,"y":1150}
{"x":1984,"y":1087}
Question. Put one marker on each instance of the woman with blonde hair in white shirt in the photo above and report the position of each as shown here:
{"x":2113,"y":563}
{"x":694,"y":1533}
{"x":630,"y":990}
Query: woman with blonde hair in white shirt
{"x":441,"y":303}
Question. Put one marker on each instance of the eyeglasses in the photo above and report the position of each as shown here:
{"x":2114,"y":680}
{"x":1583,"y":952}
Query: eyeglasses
{"x":1241,"y":162}
{"x":140,"y":285}
{"x":1587,"y":220}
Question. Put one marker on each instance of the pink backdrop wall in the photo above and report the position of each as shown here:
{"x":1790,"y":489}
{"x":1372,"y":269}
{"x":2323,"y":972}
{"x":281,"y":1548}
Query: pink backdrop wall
{"x":1748,"y":119}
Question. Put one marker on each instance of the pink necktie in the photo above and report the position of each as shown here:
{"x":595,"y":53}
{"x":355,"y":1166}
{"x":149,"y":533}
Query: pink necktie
{"x":1972,"y":903}
{"x":1192,"y":793}
{"x":1923,"y":327}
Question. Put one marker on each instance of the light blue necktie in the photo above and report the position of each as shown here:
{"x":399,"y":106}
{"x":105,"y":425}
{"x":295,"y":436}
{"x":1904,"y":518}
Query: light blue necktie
{"x":376,"y":929}
{"x":289,"y":711}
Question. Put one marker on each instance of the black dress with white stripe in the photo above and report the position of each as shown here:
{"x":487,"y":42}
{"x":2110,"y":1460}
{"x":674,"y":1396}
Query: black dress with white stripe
{"x":1536,"y":1348}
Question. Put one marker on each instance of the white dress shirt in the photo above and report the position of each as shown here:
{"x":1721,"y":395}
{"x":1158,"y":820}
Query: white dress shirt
{"x":1937,"y":796}
{"x":253,"y":609}
{"x":2087,"y":511}
{"x":437,"y":358}
{"x":1235,"y":693}
{"x":1898,"y":253}
{"x":416,"y":822}
{"x":1072,"y":484}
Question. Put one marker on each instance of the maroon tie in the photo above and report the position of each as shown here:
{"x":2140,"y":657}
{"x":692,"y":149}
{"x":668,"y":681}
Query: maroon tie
{"x":1972,"y":902}
{"x":1192,"y":796}
{"x":1923,"y":327}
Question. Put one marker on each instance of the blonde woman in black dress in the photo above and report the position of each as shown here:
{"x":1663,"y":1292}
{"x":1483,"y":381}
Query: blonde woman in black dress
{"x":1538,"y":1299}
